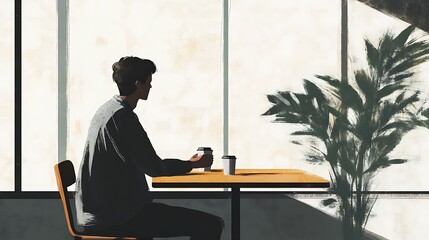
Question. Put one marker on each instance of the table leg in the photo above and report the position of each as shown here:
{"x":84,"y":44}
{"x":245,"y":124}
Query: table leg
{"x":235,"y":213}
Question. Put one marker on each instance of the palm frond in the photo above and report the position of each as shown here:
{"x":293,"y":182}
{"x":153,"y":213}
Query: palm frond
{"x":333,"y":85}
{"x":400,"y":77}
{"x":408,"y":101}
{"x":403,"y":36}
{"x":282,"y":102}
{"x":314,"y":91}
{"x":389,"y":89}
{"x":307,"y":132}
{"x":372,"y":55}
{"x":398,"y":124}
{"x":330,"y":80}
{"x":388,"y":110}
{"x":383,"y":163}
{"x":365,"y":83}
{"x":385,"y":143}
{"x":407,"y":65}
{"x":351,"y":97}
{"x":410,"y":51}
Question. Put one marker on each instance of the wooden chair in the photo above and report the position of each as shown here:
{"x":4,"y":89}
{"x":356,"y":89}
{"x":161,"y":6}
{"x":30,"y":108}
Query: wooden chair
{"x":65,"y":175}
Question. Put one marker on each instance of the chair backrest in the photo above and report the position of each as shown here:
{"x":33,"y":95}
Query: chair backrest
{"x":65,"y":175}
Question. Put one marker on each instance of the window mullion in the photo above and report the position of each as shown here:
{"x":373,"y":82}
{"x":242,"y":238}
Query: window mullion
{"x":62,"y":78}
{"x":18,"y":96}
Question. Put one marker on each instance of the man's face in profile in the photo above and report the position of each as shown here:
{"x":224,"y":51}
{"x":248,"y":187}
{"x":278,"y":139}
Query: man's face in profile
{"x":144,"y":88}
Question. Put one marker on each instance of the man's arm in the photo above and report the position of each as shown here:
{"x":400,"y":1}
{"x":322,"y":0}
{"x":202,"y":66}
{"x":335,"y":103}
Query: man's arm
{"x":141,"y":152}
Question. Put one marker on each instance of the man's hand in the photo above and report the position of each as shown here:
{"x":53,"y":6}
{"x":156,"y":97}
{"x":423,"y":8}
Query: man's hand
{"x":201,"y":161}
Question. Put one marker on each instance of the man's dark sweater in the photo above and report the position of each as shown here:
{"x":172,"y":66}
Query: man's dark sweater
{"x":111,"y":186}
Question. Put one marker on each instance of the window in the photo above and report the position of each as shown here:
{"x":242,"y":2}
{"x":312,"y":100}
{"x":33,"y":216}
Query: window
{"x":273,"y":46}
{"x":39,"y":95}
{"x":283,"y":43}
{"x":183,"y":38}
{"x":7,"y":92}
{"x":185,"y":41}
{"x":411,"y":176}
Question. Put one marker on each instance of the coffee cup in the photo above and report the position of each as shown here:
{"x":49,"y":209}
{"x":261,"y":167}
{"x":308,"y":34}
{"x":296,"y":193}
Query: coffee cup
{"x":229,"y":162}
{"x":205,"y":151}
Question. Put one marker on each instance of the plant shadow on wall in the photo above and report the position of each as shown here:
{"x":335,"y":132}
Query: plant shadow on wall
{"x":357,"y":123}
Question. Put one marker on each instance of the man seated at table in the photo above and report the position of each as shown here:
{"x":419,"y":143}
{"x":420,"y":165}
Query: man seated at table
{"x":112,"y":195}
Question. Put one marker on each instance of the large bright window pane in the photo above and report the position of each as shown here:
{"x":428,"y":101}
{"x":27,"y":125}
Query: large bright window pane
{"x":7,"y":93}
{"x":273,"y":46}
{"x":366,"y":22}
{"x":183,"y":38}
{"x":39,"y":94}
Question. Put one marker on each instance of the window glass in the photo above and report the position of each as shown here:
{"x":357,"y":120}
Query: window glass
{"x":7,"y":93}
{"x":274,"y":45}
{"x":412,"y":175}
{"x":39,"y":94}
{"x":183,"y":38}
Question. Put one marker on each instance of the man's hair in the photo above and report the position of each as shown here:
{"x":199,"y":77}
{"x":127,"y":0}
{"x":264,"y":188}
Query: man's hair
{"x":128,"y":70}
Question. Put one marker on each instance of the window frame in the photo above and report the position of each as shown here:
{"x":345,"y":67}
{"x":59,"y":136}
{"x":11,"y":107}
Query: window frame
{"x":62,"y":7}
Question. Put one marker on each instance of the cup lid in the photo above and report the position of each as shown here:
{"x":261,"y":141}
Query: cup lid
{"x":204,"y":149}
{"x":229,"y":157}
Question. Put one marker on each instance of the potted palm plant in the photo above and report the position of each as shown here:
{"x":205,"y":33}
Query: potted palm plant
{"x":357,"y":123}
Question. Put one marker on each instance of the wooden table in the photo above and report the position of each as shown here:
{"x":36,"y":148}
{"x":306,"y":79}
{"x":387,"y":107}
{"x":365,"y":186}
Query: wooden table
{"x":244,"y":178}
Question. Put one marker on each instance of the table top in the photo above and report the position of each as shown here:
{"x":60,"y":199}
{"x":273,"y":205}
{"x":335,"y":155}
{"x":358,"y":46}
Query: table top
{"x":244,"y":178}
